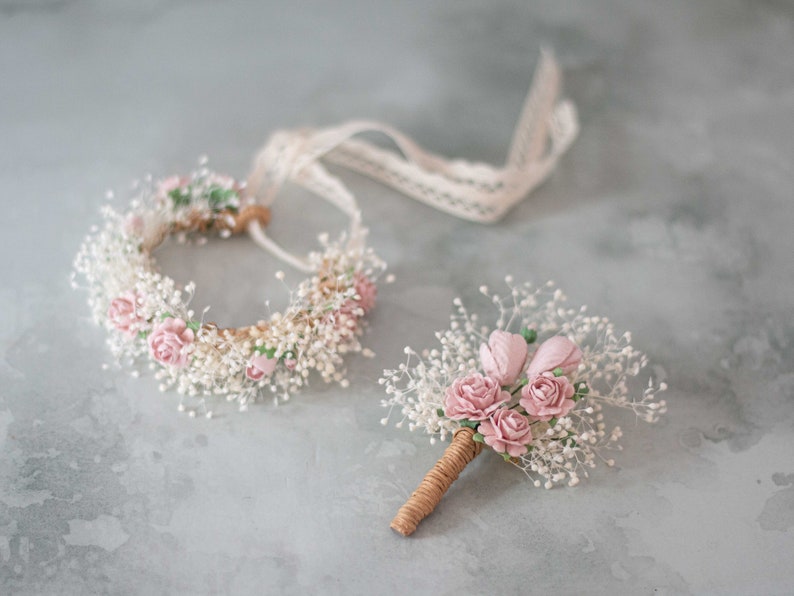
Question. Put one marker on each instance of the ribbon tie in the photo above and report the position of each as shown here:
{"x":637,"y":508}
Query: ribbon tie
{"x":473,"y":191}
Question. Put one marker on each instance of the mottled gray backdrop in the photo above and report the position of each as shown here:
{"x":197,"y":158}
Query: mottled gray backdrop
{"x":672,"y":214}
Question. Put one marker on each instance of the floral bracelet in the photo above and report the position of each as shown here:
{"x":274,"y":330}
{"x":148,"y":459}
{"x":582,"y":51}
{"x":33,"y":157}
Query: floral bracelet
{"x":149,"y":317}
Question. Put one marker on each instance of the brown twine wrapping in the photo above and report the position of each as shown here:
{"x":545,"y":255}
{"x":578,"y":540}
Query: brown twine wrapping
{"x":225,"y":220}
{"x":427,"y":495}
{"x":248,"y":214}
{"x":251,"y":332}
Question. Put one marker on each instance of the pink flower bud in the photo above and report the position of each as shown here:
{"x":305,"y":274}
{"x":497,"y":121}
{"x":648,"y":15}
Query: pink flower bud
{"x":504,"y":356}
{"x":555,"y":352}
{"x":259,"y":366}
{"x":367,"y":292}
{"x":123,"y":314}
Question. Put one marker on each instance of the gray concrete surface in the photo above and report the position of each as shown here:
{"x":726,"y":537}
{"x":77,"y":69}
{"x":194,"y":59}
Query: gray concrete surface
{"x":672,"y":214}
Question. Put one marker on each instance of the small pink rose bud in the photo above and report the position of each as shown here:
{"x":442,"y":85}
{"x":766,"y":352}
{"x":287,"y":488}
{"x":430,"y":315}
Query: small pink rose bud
{"x":555,"y":352}
{"x":506,"y":431}
{"x":504,"y":356}
{"x":133,"y":225}
{"x":546,"y":397}
{"x":169,"y":184}
{"x":123,"y":314}
{"x":260,"y":366}
{"x":367,"y":292}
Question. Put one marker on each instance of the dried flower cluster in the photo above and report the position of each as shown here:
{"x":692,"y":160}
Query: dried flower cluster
{"x":540,"y":408}
{"x":149,"y":317}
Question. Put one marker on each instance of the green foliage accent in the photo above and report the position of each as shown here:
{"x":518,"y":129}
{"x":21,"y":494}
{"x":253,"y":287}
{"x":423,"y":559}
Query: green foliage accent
{"x":553,"y":422}
{"x":478,"y":438}
{"x":143,"y":334}
{"x":269,"y":352}
{"x":581,"y":390}
{"x":505,"y":456}
{"x":180,"y":196}
{"x":530,"y":335}
{"x":521,"y":383}
{"x":218,"y":198}
{"x":440,"y":412}
{"x":469,"y":423}
{"x":194,"y":325}
{"x":166,"y":315}
{"x":557,"y":372}
{"x":569,"y":441}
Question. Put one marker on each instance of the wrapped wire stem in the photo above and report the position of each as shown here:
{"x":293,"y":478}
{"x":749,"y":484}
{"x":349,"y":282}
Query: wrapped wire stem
{"x":462,"y":450}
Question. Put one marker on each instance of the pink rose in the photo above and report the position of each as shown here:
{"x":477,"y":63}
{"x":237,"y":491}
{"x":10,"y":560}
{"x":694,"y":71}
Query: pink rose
{"x":555,"y":352}
{"x":343,"y":319}
{"x":506,"y":431}
{"x":547,"y":397}
{"x":169,"y":342}
{"x":474,"y":397}
{"x":169,"y":184}
{"x":222,"y":180}
{"x":123,"y":314}
{"x":367,"y":292}
{"x":259,"y":366}
{"x":133,"y":225}
{"x":503,"y":356}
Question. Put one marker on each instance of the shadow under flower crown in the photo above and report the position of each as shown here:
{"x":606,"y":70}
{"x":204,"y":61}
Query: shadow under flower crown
{"x":149,"y":317}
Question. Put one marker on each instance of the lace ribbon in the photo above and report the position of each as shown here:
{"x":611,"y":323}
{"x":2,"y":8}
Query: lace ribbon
{"x":470,"y":190}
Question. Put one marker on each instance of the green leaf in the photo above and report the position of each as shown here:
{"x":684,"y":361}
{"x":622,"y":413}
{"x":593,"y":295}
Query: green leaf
{"x":194,"y":325}
{"x":469,"y":423}
{"x":568,"y":440}
{"x":557,"y":372}
{"x":478,"y":438}
{"x":440,"y":412}
{"x":553,"y":422}
{"x":529,"y":335}
{"x":143,"y":334}
{"x":269,"y":352}
{"x":180,"y":196}
{"x":166,"y":315}
{"x":518,"y":387}
{"x":505,"y":456}
{"x":218,"y":197}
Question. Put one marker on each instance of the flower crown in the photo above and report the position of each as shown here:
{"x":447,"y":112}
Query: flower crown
{"x":149,"y":316}
{"x":532,"y":390}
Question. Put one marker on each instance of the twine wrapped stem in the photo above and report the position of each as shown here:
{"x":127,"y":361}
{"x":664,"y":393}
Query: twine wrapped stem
{"x":435,"y":484}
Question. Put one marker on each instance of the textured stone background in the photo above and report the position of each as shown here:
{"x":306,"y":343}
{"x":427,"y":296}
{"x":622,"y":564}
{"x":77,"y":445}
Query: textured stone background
{"x":672,"y":214}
